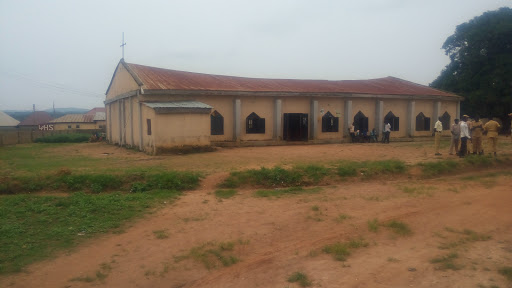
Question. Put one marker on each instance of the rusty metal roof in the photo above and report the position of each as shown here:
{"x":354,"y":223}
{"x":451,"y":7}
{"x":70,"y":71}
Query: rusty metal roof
{"x":96,"y":109}
{"x":151,"y":78}
{"x":36,"y":118}
{"x":74,"y":118}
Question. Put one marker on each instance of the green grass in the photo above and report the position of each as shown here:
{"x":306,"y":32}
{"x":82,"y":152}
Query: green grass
{"x":300,"y":278}
{"x":398,"y":227}
{"x":370,"y":168}
{"x":225,"y":193}
{"x":280,"y":192}
{"x":340,"y":251}
{"x":213,"y":254}
{"x":64,"y":138}
{"x":446,"y":262}
{"x":418,"y":190}
{"x":33,"y":227}
{"x":66,"y":181}
{"x":161,"y":234}
{"x":373,"y":225}
{"x":439,"y":167}
{"x":507,"y":272}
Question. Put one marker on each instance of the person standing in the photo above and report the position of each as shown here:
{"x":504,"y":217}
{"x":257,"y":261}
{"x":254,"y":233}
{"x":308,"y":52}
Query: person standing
{"x":477,"y":127}
{"x":438,"y":129}
{"x":352,"y":132}
{"x":455,"y":130}
{"x":464,"y":136}
{"x":387,"y":131}
{"x":492,"y":127}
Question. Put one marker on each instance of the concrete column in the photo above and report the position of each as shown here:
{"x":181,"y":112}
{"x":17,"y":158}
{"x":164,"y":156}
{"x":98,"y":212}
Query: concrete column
{"x":379,"y":116}
{"x":437,"y":111}
{"x":237,"y":121}
{"x":141,"y":129}
{"x":119,"y":114}
{"x":132,"y":140}
{"x":457,"y":114}
{"x":314,"y":117}
{"x":349,"y":118}
{"x":411,"y":119}
{"x":278,"y":126}
{"x":109,"y":121}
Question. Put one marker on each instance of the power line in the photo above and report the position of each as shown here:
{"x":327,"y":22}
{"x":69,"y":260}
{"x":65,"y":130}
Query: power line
{"x":57,"y":86}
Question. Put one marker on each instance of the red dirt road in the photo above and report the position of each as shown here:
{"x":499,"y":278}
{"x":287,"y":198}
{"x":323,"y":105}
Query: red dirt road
{"x":275,"y":237}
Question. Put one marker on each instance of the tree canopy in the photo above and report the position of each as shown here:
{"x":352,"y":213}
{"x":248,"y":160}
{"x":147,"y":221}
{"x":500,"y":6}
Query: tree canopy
{"x":481,"y":64}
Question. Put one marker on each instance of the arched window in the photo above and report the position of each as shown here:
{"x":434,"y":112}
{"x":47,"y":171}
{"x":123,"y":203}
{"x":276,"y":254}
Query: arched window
{"x":422,"y":122}
{"x":393,"y":121}
{"x":254,"y":124}
{"x":445,"y":119}
{"x":329,"y":123}
{"x":216,"y":123}
{"x":361,"y":122}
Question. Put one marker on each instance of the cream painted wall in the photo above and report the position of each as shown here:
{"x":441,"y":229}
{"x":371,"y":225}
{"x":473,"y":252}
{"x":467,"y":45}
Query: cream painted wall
{"x":223,"y":105}
{"x":148,"y":140}
{"x":367,"y":106}
{"x":264,"y":107}
{"x":399,"y":109}
{"x":175,"y":130}
{"x":83,"y":126}
{"x":336,"y":107}
{"x":123,"y":82}
{"x":427,"y":108}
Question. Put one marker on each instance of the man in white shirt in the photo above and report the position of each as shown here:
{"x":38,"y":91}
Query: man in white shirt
{"x":438,"y":129}
{"x":387,"y":131}
{"x":464,"y":136}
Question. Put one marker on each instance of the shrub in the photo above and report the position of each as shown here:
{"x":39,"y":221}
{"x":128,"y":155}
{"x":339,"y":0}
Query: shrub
{"x":64,"y":138}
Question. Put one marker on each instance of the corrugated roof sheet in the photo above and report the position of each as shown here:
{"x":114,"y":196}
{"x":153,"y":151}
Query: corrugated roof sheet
{"x":36,"y":118}
{"x":74,"y":118}
{"x":99,"y":116}
{"x":96,"y":109}
{"x":163,"y":79}
{"x":7,"y":121}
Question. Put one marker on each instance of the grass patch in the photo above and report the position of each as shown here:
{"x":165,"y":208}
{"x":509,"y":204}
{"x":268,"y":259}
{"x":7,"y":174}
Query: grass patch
{"x":370,"y":168}
{"x":340,"y":251}
{"x":507,"y":272}
{"x":213,"y":254}
{"x":373,"y":225}
{"x":225,"y":193}
{"x":161,"y":234}
{"x":418,"y":191}
{"x":465,"y":236}
{"x":342,"y":217}
{"x":300,"y":278}
{"x":285,"y":191}
{"x":64,"y":138}
{"x":438,"y":167}
{"x":399,"y":228}
{"x":34,"y":228}
{"x":67,"y":181}
{"x":446,"y":262}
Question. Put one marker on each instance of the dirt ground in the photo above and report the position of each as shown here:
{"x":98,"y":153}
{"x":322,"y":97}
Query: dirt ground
{"x":276,"y":237}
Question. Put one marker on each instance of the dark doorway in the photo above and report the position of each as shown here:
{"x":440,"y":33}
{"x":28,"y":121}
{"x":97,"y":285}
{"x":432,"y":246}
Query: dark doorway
{"x":295,"y":127}
{"x":361,"y":122}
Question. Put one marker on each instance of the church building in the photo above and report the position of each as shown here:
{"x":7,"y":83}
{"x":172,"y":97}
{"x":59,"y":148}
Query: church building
{"x":158,"y":109}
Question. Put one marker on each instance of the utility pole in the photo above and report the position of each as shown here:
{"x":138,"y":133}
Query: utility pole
{"x":122,"y":45}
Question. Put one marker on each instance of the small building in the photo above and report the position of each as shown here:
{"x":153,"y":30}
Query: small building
{"x":7,"y":122}
{"x":158,"y":109}
{"x":79,"y":122}
{"x":36,"y":120}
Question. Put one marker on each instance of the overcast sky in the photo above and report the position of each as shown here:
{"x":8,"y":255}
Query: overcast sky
{"x":65,"y":51}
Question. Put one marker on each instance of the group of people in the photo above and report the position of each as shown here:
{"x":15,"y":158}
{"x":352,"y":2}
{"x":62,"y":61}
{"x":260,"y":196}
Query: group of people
{"x":364,"y":136}
{"x":468,"y":130}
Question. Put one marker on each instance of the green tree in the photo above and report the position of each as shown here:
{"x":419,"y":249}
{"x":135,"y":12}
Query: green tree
{"x":481,"y":64}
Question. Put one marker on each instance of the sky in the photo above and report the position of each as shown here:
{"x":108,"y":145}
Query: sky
{"x":63,"y":53}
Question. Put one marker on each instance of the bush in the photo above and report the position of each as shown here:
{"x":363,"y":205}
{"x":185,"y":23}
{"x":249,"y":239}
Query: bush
{"x":64,"y":138}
